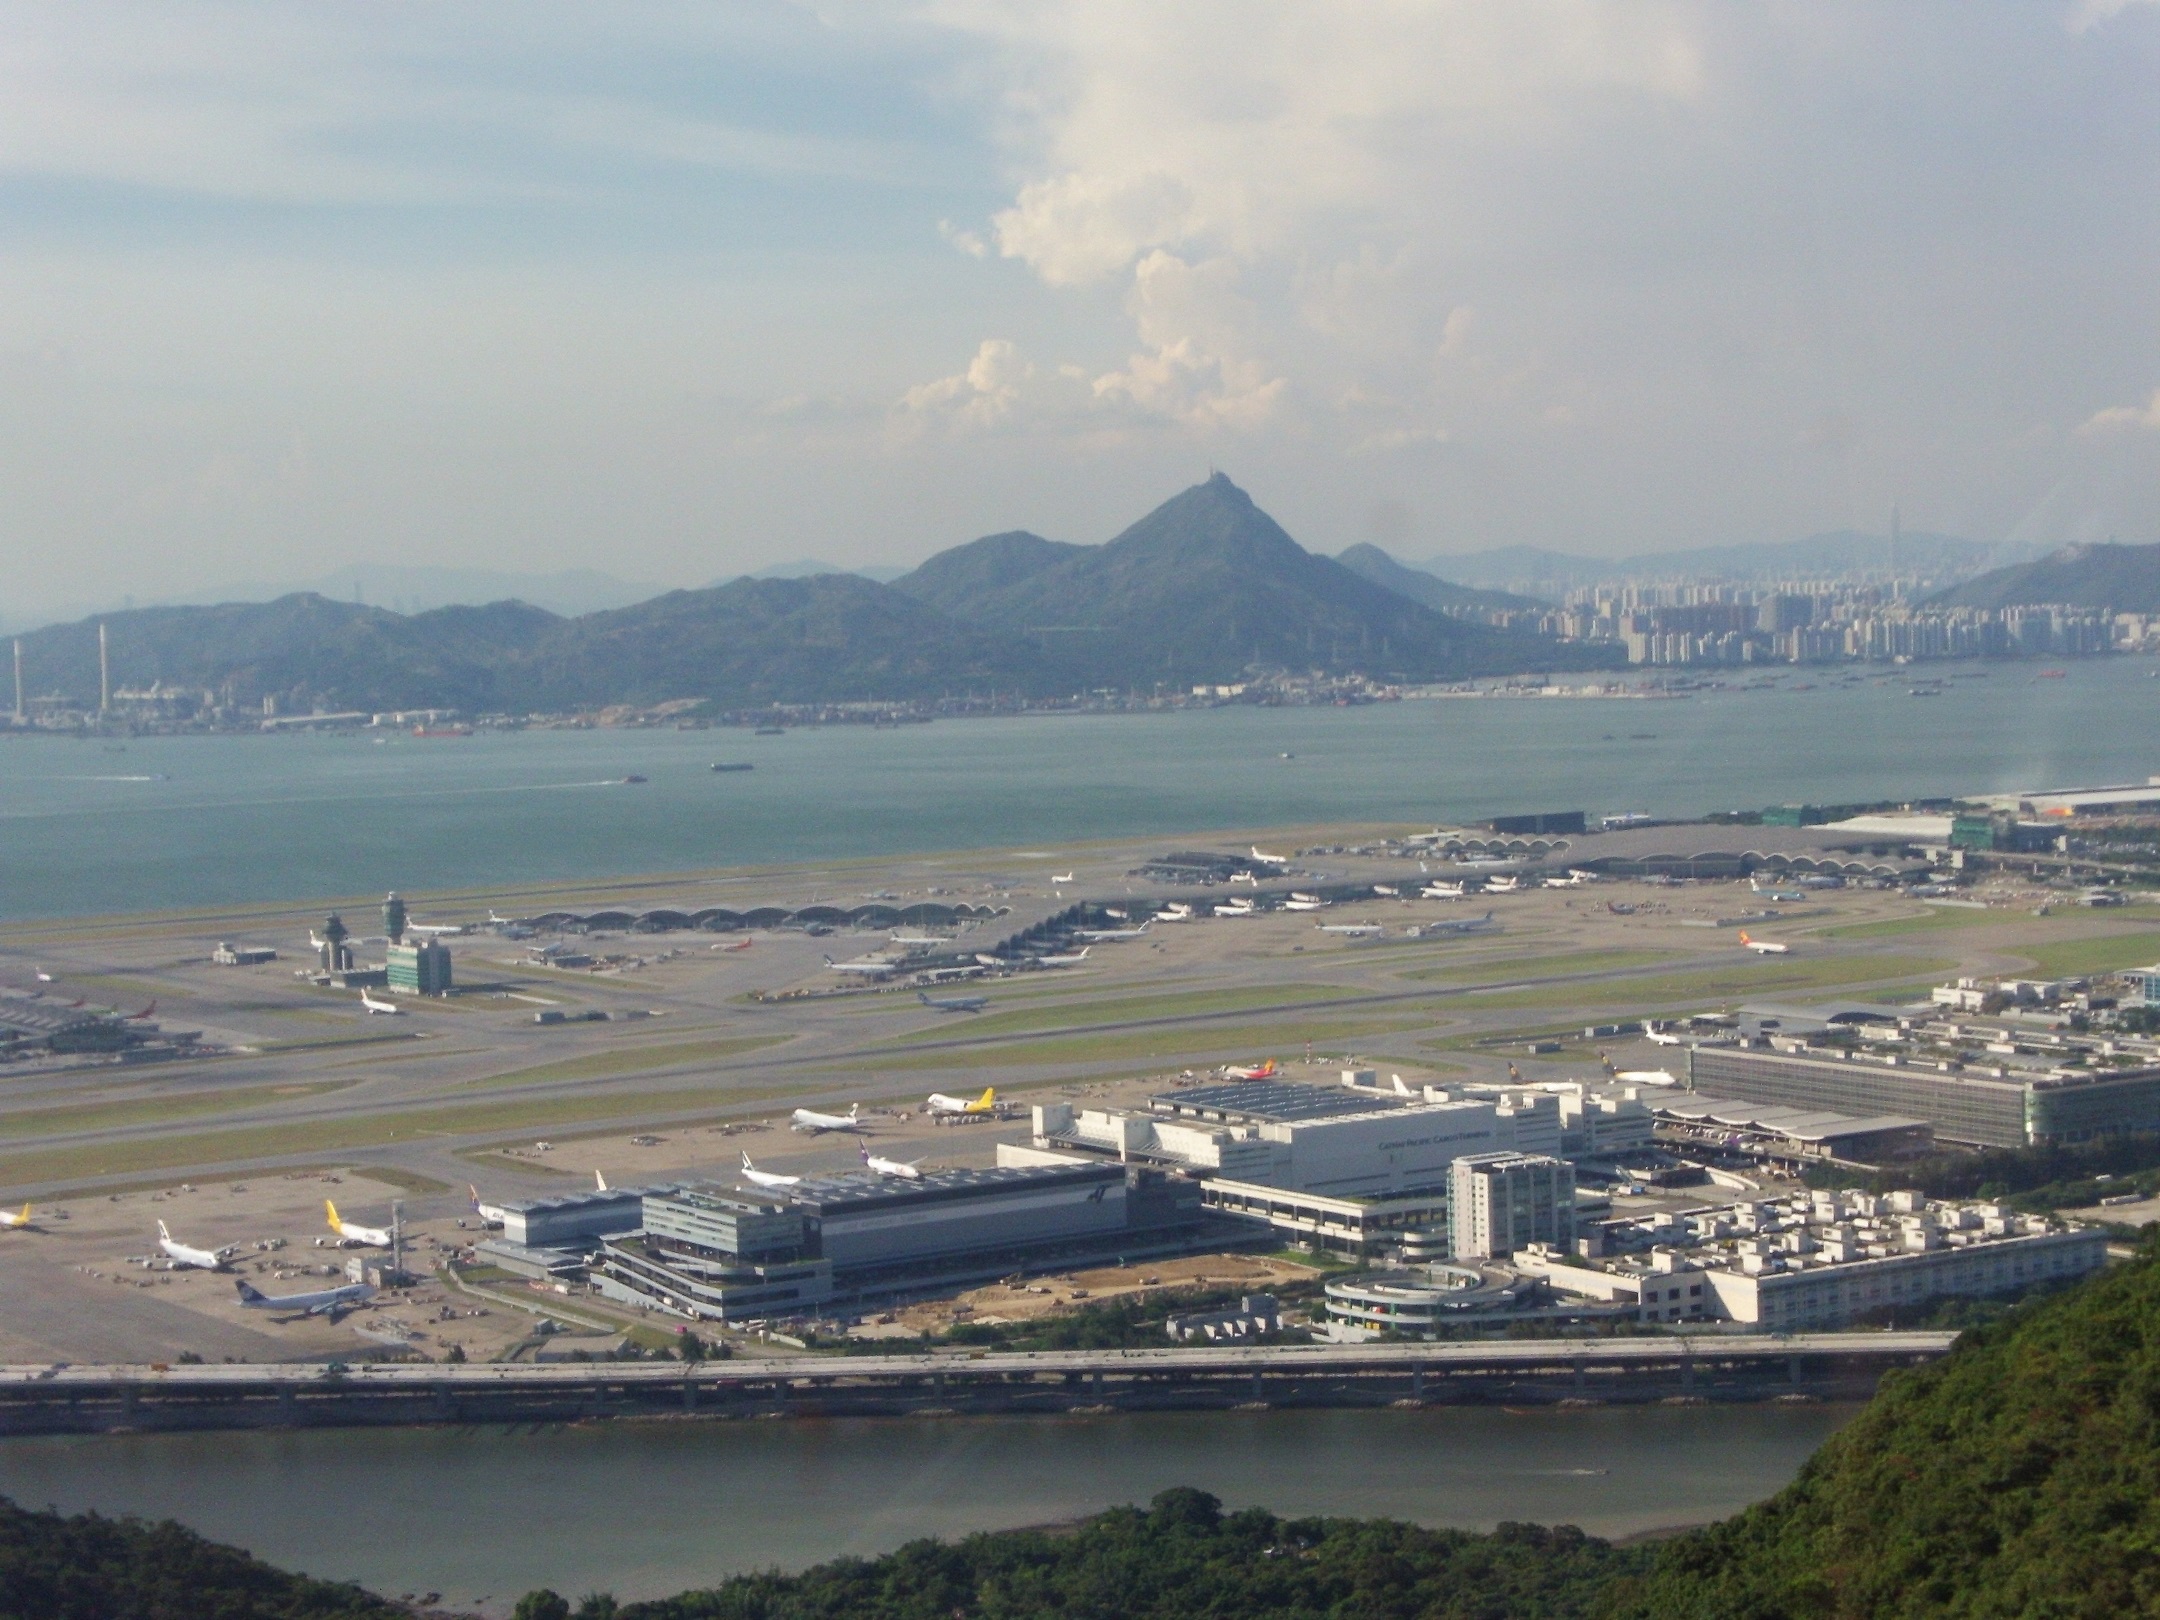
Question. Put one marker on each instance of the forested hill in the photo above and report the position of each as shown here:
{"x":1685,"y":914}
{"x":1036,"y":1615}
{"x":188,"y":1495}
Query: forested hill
{"x":2125,"y":578}
{"x":1202,"y":587}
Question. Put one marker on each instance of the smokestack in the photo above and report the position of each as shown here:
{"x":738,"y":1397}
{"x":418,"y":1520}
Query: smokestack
{"x":104,"y":672}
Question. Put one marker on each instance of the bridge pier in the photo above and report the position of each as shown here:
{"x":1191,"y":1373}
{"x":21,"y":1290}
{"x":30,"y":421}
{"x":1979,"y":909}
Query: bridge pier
{"x":1417,"y":1380}
{"x":1581,"y":1380}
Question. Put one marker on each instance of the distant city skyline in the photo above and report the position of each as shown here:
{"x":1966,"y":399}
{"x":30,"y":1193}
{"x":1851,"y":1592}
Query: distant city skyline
{"x":680,"y":293}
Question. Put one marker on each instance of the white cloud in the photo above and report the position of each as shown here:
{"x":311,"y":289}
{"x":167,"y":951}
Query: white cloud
{"x":984,"y":395}
{"x":2087,"y":15}
{"x":1198,"y":367}
{"x":2125,"y":418}
{"x":1079,"y":228}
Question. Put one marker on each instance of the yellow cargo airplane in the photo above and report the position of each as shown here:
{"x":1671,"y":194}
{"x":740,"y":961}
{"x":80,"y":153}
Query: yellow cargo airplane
{"x":939,"y":1103}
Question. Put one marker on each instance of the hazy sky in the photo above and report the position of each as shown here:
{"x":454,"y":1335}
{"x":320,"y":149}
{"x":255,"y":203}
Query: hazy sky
{"x":680,"y":290}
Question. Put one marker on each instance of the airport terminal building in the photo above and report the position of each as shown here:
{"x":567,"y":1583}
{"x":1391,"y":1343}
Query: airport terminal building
{"x":731,"y":1256}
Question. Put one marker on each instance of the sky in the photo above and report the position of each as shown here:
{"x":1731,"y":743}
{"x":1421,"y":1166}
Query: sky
{"x":677,"y":291}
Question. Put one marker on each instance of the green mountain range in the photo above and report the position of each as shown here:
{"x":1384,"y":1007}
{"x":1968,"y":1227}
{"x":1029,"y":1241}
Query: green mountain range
{"x":1442,"y":596}
{"x":2125,"y":578}
{"x":1196,"y":591}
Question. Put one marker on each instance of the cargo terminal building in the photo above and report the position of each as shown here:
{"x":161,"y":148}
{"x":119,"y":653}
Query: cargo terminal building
{"x":731,"y":1256}
{"x":1983,"y":1106}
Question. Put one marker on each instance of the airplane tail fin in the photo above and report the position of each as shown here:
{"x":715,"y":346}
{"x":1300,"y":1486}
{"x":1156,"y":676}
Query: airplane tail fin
{"x":853,"y":1109}
{"x":988,"y":1099}
{"x":163,"y":1235}
{"x":746,"y":1164}
{"x":1401,"y":1090}
{"x":923,"y":996}
{"x":475,"y":1191}
{"x":1744,"y":939}
{"x":336,"y":1225}
{"x":249,"y":1293}
{"x":863,"y":1153}
{"x":599,"y":1182}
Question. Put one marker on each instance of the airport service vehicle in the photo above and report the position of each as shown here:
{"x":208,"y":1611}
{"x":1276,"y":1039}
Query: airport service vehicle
{"x":766,"y":1178}
{"x":1354,"y":930}
{"x":330,"y":1302}
{"x":1250,"y":1071}
{"x":1100,"y":934}
{"x":953,"y":1003}
{"x":1763,"y":947}
{"x":939,"y":1103}
{"x":1234,"y":908}
{"x":1303,"y":902}
{"x":388,"y":1008}
{"x":875,"y":966}
{"x":904,"y":1169}
{"x":20,"y":1217}
{"x":374,"y":1237}
{"x":817,"y":1124}
{"x":1265,"y":859}
{"x":182,"y":1254}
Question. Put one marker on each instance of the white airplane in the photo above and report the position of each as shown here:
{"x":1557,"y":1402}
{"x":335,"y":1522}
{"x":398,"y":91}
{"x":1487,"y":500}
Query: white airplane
{"x":939,"y":1103}
{"x":1073,"y":960}
{"x":1100,"y":934}
{"x":186,"y":1255}
{"x":1061,"y":877}
{"x":12,"y":1218}
{"x":438,"y":930}
{"x":1234,"y":908}
{"x":810,"y":1120}
{"x":46,"y":978}
{"x":374,"y":1237}
{"x":953,"y":1003}
{"x":1386,"y":891}
{"x":1175,"y":911}
{"x":1266,"y":859}
{"x":1503,"y":885}
{"x":1244,"y":877}
{"x":766,"y":1178}
{"x":372,"y":1006}
{"x":1662,"y":1037}
{"x":1250,"y":1071}
{"x":1304,"y":902}
{"x":876,"y":966}
{"x":1763,"y":947}
{"x":1465,"y":925}
{"x":600,"y":1183}
{"x":901,"y":1168}
{"x":490,"y":1214}
{"x":1443,"y":891}
{"x":324,"y":1302}
{"x":1354,"y":930}
{"x":920,"y":940}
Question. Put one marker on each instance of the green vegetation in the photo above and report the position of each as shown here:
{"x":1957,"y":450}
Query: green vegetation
{"x":1507,"y":969}
{"x":1129,"y":1322}
{"x":2029,"y":1178}
{"x":2105,"y":953}
{"x":1935,"y":919}
{"x":91,"y":1568}
{"x":1752,"y":977}
{"x":1171,"y":1042}
{"x":30,"y":1122}
{"x":1180,"y":1558}
{"x":2018,"y":1477}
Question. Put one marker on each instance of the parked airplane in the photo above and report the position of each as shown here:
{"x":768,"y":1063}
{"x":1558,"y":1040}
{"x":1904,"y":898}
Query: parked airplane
{"x":742,"y":944}
{"x":1244,"y":877}
{"x":1175,"y":911}
{"x":330,"y":1302}
{"x":920,"y":941}
{"x":1354,"y":930}
{"x":490,"y":1214}
{"x":1503,"y":885}
{"x":1073,"y":960}
{"x":183,"y":1254}
{"x":1662,"y":1037}
{"x":810,"y":1120}
{"x":1386,"y":891}
{"x":1304,"y":902}
{"x":1250,"y":1071}
{"x":902,"y":1168}
{"x":372,"y":1006}
{"x":939,"y":1103}
{"x":1061,"y":877}
{"x":1820,"y":880}
{"x":953,"y":1003}
{"x":46,"y":978}
{"x":1234,"y":908}
{"x":1100,"y":934}
{"x":375,"y":1237}
{"x":1444,"y":891}
{"x":1265,"y":858}
{"x":600,"y":1183}
{"x":876,"y":967}
{"x":1762,"y":947}
{"x":1787,"y":895}
{"x":766,"y":1178}
{"x":438,"y":930}
{"x":19,"y":1217}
